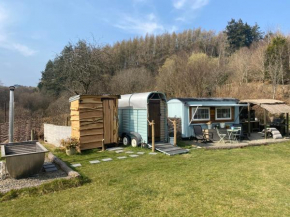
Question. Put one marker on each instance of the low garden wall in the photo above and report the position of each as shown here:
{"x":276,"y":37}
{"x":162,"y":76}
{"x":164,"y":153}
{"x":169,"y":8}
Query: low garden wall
{"x":53,"y":134}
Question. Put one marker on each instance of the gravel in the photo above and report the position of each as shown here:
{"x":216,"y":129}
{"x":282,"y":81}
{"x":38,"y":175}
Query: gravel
{"x":38,"y":179}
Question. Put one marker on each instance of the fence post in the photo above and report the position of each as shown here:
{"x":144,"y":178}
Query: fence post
{"x":174,"y":126}
{"x":153,"y":136}
{"x":32,"y":135}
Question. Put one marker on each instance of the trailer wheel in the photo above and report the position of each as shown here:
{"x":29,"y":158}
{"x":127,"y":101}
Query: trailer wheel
{"x":134,"y":142}
{"x":126,"y":140}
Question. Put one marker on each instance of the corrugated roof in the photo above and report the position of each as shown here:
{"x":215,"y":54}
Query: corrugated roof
{"x":276,"y":108}
{"x":261,"y":101}
{"x":207,"y":99}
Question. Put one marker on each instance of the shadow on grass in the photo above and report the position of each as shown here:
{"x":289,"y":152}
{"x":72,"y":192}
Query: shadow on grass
{"x":46,"y":188}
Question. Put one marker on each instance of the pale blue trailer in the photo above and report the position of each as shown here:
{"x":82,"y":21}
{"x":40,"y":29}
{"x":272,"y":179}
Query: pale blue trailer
{"x":134,"y":111}
{"x":200,"y":111}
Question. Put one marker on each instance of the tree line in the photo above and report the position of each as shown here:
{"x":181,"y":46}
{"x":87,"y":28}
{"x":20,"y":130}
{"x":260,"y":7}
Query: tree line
{"x":193,"y":63}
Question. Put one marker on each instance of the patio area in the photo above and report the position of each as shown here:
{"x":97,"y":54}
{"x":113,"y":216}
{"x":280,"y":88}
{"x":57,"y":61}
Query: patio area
{"x":256,"y":139}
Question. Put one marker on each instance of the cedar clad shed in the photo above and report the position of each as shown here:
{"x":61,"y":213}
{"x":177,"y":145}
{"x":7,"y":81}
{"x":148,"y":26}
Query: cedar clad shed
{"x":94,"y":120}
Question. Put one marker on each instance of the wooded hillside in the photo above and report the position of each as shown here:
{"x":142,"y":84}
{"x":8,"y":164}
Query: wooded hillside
{"x":240,"y":62}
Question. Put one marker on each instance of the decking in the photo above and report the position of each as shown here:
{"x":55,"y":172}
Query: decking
{"x":256,"y":139}
{"x":168,"y":149}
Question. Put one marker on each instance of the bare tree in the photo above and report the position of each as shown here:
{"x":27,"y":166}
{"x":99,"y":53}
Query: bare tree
{"x":84,"y":67}
{"x":132,"y":81}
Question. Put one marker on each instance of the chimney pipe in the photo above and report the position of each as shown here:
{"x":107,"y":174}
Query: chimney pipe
{"x":11,"y":114}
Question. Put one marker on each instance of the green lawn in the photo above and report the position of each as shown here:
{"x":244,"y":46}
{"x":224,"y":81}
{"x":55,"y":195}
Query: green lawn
{"x":239,"y":182}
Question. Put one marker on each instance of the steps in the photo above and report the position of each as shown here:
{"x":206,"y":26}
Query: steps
{"x":168,"y":149}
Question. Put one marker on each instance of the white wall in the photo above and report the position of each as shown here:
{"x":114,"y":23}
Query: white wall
{"x":53,"y":134}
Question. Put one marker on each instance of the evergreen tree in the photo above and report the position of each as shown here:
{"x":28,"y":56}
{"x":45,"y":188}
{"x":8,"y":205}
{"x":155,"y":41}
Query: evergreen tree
{"x":240,"y":34}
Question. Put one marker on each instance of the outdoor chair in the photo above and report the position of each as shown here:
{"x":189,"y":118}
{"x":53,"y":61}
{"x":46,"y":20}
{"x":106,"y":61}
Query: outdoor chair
{"x":201,"y":135}
{"x":243,"y":135}
{"x":223,"y":135}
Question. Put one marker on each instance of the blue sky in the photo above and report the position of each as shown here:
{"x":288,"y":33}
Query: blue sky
{"x":34,"y":31}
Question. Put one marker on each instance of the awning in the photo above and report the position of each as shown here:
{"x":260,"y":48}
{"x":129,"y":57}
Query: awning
{"x":276,"y":108}
{"x":262,"y":101}
{"x":271,"y":105}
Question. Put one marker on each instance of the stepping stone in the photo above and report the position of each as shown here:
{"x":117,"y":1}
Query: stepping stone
{"x":114,"y":149}
{"x":95,"y":161}
{"x":48,"y":165}
{"x":122,"y":157}
{"x":76,"y":165}
{"x":140,"y":152}
{"x":51,"y":169}
{"x":134,"y":155}
{"x":152,"y":153}
{"x":120,"y":151}
{"x":107,"y":159}
{"x":129,"y":152}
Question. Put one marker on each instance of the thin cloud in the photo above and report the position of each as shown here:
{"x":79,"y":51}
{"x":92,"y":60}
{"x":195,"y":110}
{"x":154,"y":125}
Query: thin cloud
{"x":147,"y":25}
{"x":5,"y":42}
{"x":193,"y":4}
{"x":23,"y":49}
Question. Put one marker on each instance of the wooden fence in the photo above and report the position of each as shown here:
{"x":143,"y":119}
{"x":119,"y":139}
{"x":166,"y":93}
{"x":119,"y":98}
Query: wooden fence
{"x":23,"y":128}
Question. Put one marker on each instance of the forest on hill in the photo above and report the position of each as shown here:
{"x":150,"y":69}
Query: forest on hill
{"x":240,"y":62}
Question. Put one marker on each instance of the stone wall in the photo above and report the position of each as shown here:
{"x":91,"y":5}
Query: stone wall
{"x":171,"y":128}
{"x":53,"y":134}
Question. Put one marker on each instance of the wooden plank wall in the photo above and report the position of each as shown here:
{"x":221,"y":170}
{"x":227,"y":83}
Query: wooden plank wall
{"x":162,"y":121}
{"x":94,"y":119}
{"x":87,"y":122}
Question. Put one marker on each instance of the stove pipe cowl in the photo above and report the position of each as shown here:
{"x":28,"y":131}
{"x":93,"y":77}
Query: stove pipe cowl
{"x":11,"y":114}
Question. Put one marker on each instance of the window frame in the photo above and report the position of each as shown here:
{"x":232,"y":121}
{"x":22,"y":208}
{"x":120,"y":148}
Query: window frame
{"x":226,"y":107}
{"x":199,"y":107}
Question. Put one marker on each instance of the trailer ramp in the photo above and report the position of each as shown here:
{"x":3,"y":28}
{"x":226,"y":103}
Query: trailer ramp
{"x":168,"y":149}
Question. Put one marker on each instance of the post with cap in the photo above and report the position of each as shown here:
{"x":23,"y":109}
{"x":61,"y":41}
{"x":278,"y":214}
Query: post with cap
{"x":11,"y":114}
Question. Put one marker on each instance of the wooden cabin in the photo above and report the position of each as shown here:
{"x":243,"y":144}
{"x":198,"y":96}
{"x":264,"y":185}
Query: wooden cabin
{"x":94,"y":120}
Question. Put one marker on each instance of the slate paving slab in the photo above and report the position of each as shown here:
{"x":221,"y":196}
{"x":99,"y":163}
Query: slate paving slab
{"x":134,"y":155}
{"x":76,"y":165}
{"x":122,"y":157}
{"x":152,"y":153}
{"x":114,"y":149}
{"x":95,"y":161}
{"x":107,"y":159}
{"x":52,"y":169}
{"x":129,"y":152}
{"x":119,"y":151}
{"x":140,"y":152}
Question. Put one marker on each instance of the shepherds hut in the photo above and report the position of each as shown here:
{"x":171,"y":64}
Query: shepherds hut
{"x":135,"y":112}
{"x":94,"y":120}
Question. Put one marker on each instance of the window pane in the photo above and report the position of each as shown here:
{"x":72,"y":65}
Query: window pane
{"x":201,"y":113}
{"x":223,"y":113}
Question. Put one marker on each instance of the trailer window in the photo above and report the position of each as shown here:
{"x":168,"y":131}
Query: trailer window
{"x":223,"y":113}
{"x":201,"y":114}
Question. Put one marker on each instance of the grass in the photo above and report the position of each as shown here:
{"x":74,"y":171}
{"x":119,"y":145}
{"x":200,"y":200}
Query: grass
{"x":239,"y":182}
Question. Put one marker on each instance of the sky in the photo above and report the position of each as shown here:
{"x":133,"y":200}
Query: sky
{"x":34,"y":31}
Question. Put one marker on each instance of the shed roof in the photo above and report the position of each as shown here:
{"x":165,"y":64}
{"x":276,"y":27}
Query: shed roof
{"x":207,"y":99}
{"x":139,"y":100}
{"x":77,"y":97}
